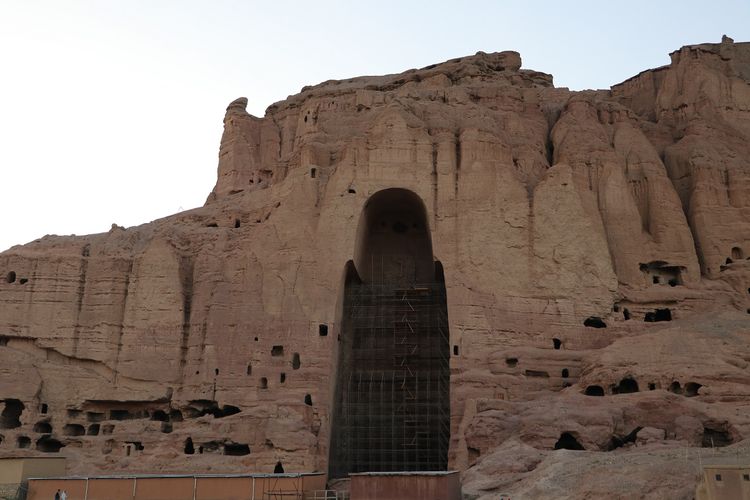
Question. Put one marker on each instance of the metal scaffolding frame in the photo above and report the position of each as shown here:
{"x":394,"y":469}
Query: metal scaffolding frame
{"x":393,"y":398}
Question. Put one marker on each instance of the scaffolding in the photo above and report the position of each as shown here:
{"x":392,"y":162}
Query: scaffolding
{"x":393,"y":397}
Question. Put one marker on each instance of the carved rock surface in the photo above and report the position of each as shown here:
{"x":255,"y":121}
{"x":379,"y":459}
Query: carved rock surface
{"x":595,"y":247}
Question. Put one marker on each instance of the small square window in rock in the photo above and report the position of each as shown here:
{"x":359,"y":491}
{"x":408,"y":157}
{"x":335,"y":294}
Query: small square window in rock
{"x":277,"y":350}
{"x":323,"y":330}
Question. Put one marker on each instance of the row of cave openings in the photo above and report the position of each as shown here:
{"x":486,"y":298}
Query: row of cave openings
{"x":659,"y":272}
{"x":228,"y":448}
{"x":12,"y":277}
{"x":655,"y":316}
{"x":236,"y":222}
{"x":10,"y":418}
{"x":715,"y":435}
{"x":629,"y":385}
{"x":557,"y":344}
{"x":101,"y":422}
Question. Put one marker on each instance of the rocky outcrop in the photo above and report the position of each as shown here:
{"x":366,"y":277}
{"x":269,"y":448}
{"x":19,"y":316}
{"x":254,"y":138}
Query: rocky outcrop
{"x":594,"y":247}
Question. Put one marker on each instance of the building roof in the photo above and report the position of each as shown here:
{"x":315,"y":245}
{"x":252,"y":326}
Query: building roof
{"x":161,"y":476}
{"x":407,"y":473}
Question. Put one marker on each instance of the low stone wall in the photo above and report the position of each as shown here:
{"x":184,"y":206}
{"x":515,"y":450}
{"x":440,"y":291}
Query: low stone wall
{"x":8,"y":491}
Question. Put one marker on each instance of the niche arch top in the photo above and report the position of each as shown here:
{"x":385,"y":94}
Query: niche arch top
{"x":393,"y":239}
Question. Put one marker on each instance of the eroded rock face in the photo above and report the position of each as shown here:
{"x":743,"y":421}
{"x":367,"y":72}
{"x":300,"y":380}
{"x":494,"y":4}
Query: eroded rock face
{"x":594,"y":247}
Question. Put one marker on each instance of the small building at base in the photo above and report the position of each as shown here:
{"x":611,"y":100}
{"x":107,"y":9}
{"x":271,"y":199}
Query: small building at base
{"x":725,"y":480}
{"x":15,"y":471}
{"x":438,"y":485}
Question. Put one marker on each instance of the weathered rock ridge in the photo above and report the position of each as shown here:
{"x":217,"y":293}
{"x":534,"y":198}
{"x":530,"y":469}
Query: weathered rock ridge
{"x":594,"y":243}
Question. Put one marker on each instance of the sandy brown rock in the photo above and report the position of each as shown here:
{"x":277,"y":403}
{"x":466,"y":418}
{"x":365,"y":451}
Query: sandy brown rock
{"x":590,"y":240}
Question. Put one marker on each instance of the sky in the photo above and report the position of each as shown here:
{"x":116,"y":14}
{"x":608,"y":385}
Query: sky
{"x":111,"y":111}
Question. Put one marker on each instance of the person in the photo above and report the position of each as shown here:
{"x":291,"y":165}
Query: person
{"x":57,"y":494}
{"x":63,"y":495}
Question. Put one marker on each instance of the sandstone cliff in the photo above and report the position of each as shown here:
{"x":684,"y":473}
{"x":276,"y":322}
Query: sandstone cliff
{"x":595,"y":248}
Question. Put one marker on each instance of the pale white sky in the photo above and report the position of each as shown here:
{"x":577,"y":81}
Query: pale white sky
{"x":111,"y":111}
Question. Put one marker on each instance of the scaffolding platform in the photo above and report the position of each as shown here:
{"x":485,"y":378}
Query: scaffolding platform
{"x":393,"y":407}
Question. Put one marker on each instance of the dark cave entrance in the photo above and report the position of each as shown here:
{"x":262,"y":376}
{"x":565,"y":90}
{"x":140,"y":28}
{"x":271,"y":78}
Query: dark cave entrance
{"x":391,"y":408}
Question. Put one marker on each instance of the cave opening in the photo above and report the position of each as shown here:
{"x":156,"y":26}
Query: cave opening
{"x":594,"y":390}
{"x":43,"y":427}
{"x":691,"y":389}
{"x":620,"y":441}
{"x":10,"y":418}
{"x":95,"y":416}
{"x":74,"y":430}
{"x":47,"y":444}
{"x":119,"y":415}
{"x":160,"y":415}
{"x":716,"y":435}
{"x":236,"y":449}
{"x":594,"y":322}
{"x":189,"y":447}
{"x":392,"y":407}
{"x":627,"y":386}
{"x":658,"y":315}
{"x":662,"y":272}
{"x":568,"y":441}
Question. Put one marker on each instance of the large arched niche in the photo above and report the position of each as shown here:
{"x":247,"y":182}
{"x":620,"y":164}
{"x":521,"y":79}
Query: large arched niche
{"x":392,"y":398}
{"x":393,"y":239}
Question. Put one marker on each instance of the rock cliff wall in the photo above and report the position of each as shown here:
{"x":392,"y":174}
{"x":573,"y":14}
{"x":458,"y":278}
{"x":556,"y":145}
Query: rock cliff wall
{"x":594,"y":243}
